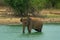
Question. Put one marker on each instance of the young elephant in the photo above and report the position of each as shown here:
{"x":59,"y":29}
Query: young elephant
{"x":32,"y":23}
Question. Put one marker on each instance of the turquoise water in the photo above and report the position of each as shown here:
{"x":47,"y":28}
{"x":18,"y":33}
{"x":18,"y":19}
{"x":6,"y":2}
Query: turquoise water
{"x":14,"y":32}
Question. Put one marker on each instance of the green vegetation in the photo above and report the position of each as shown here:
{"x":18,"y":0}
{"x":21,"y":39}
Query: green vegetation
{"x":23,"y":7}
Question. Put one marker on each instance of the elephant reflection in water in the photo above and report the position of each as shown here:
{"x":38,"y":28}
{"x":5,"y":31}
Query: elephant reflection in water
{"x":32,"y":23}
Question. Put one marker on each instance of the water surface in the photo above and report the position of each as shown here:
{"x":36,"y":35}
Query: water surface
{"x":14,"y":32}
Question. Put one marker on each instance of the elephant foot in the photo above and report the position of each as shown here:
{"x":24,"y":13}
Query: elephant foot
{"x":29,"y":31}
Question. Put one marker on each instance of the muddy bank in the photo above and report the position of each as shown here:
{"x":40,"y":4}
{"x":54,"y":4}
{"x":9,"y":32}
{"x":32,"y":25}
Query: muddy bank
{"x":51,"y":20}
{"x":10,"y":21}
{"x":16,"y":21}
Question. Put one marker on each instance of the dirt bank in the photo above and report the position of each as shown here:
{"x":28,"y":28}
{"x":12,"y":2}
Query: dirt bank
{"x":9,"y":20}
{"x":17,"y":20}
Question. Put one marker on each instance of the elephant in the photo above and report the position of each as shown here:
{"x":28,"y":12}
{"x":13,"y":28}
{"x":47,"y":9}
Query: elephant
{"x":32,"y":23}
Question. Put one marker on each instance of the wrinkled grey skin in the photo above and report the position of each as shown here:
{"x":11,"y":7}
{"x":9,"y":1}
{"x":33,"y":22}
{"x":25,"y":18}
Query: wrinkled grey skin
{"x":31,"y":24}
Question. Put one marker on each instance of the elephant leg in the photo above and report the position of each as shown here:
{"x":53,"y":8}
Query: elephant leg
{"x":38,"y":30}
{"x":29,"y":27}
{"x":41,"y":27}
{"x":23,"y":28}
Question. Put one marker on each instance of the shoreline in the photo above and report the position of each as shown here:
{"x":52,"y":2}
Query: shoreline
{"x":16,"y":21}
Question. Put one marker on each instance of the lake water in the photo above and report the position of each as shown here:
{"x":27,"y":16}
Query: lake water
{"x":14,"y":32}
